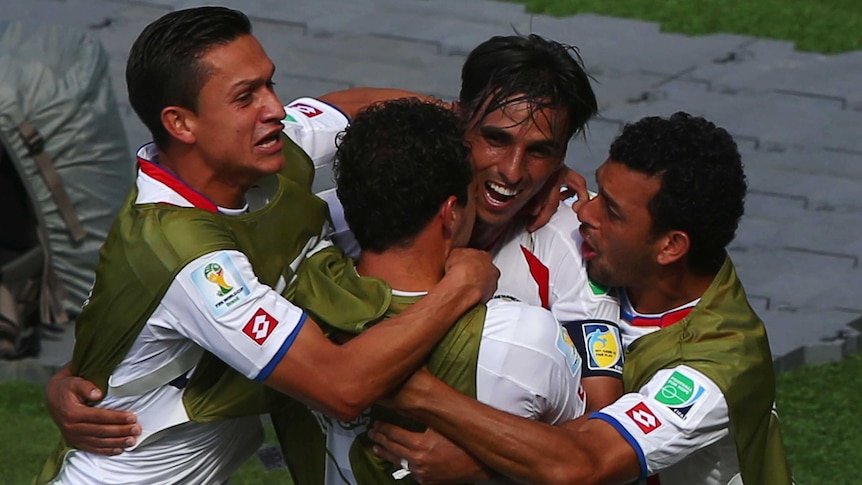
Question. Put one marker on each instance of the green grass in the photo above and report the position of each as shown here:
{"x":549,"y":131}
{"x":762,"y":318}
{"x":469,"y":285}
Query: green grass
{"x":827,"y":26}
{"x":27,"y":436}
{"x":822,"y":422}
{"x":818,"y":406}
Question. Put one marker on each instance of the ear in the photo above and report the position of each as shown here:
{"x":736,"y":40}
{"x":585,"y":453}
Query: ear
{"x":673,"y":246}
{"x":180,"y":123}
{"x":449,"y":216}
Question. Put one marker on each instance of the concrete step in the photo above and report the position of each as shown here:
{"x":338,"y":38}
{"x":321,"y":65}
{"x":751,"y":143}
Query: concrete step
{"x":767,"y":120}
{"x":801,"y":74}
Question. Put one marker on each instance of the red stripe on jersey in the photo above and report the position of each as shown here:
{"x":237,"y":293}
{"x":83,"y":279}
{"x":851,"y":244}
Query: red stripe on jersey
{"x":540,"y":274}
{"x":159,"y":173}
{"x":665,"y":320}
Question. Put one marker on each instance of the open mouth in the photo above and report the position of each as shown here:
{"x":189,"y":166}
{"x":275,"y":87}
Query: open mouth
{"x":500,"y":193}
{"x":269,"y":141}
{"x":588,"y":252}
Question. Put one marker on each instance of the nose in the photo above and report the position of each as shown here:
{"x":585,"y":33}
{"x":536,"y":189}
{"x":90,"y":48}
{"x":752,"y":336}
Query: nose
{"x":587,"y":212}
{"x":272,"y":109}
{"x":511,"y":168}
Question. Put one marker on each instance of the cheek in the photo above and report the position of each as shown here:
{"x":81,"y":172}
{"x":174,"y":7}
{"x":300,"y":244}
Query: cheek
{"x":482,"y":156}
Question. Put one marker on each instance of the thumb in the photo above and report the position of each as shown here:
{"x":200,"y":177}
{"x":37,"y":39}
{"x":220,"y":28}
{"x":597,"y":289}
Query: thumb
{"x":85,"y":390}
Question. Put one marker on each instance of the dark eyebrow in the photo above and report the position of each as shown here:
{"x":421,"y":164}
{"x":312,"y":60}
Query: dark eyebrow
{"x":610,"y":202}
{"x":552,"y":144}
{"x":252,"y":83}
{"x":491,"y":130}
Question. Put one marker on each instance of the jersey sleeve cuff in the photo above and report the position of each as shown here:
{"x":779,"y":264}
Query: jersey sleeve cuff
{"x":628,"y":437}
{"x":267,"y":370}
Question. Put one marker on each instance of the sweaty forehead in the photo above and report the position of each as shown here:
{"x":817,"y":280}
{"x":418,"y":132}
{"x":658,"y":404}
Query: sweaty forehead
{"x":527,"y":118}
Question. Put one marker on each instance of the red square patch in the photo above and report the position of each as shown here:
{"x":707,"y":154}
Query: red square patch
{"x":307,"y":110}
{"x":260,"y":327}
{"x":644,"y":418}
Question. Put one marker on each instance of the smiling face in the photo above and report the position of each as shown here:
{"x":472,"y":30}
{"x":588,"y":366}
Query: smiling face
{"x":514,"y":151}
{"x":619,"y":246}
{"x":237,"y":125}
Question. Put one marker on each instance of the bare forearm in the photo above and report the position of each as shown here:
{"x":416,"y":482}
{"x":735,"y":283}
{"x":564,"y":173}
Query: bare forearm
{"x":386,"y":354}
{"x":353,"y":100}
{"x":525,"y":450}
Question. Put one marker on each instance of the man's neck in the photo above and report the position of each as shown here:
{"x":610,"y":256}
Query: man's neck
{"x":669,"y":289}
{"x":485,"y":236}
{"x":197,"y":175}
{"x":408,"y":269}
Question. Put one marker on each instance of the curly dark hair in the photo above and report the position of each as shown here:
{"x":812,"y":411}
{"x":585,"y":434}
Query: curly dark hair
{"x":703,"y":185}
{"x":164,"y":66}
{"x":510,"y":69}
{"x":396,"y":164}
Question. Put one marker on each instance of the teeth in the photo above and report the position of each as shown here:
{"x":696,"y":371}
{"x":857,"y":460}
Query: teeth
{"x":268,"y":142}
{"x":503,"y":190}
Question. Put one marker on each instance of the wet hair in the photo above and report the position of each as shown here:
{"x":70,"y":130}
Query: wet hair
{"x":510,"y":69}
{"x":396,"y":164}
{"x":165,"y":67}
{"x":703,"y":185}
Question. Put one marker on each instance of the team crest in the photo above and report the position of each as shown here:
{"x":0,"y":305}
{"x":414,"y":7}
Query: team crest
{"x":680,"y":393}
{"x":220,"y":284}
{"x":604,"y":351}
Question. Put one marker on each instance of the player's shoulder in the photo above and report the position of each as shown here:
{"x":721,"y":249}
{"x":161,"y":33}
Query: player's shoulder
{"x":530,"y":325}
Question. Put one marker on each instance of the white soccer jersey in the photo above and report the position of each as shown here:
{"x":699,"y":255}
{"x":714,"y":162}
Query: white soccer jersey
{"x":545,"y":268}
{"x":678,"y":423}
{"x":527,"y":366}
{"x":542,"y":268}
{"x":314,"y":125}
{"x":217,"y":304}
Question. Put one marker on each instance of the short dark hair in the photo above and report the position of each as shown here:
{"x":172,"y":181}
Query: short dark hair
{"x":703,"y":185}
{"x":515,"y":68}
{"x":396,"y":164}
{"x":164,"y":66}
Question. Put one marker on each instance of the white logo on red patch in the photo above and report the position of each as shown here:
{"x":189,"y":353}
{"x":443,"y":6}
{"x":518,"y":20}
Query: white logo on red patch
{"x":644,"y":418}
{"x":260,"y":326}
{"x":307,"y":110}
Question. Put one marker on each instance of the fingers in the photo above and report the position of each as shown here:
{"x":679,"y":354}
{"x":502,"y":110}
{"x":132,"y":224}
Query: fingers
{"x":103,"y":440}
{"x":578,"y":204}
{"x":104,"y":418}
{"x":390,"y":442}
{"x":473,"y":268}
{"x":95,"y":435}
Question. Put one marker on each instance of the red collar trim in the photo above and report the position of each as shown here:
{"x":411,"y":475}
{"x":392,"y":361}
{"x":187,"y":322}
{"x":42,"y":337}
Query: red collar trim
{"x":663,"y":321}
{"x":161,"y":174}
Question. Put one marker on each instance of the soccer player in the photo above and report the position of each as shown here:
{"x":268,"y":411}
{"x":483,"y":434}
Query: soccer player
{"x":699,"y":381}
{"x":522,"y":99}
{"x":186,"y":312}
{"x":404,"y":178}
